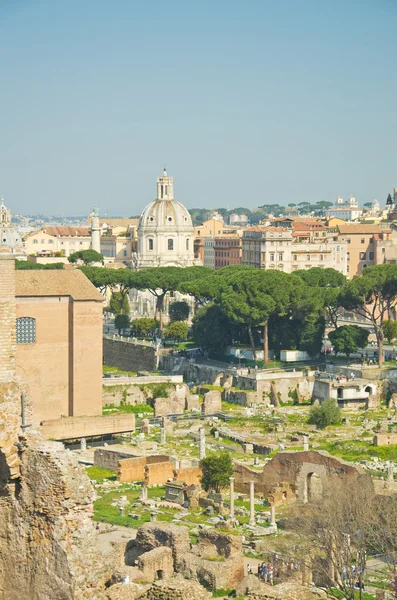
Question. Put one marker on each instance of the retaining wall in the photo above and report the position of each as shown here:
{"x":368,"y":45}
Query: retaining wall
{"x":76,"y":427}
{"x":129,"y":356}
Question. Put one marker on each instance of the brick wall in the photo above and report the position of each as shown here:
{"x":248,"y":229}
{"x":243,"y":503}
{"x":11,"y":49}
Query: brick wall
{"x":7,"y":316}
{"x":159,"y":473}
{"x":136,"y":469}
{"x":71,"y":427}
{"x":189,"y":475}
{"x":128,"y":356}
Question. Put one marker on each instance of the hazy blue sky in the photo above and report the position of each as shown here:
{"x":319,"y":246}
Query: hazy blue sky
{"x":246,"y":103}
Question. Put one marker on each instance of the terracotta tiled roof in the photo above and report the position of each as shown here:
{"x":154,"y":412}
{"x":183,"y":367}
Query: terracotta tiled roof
{"x":308,"y":225}
{"x":65,"y":231}
{"x":360,"y":228}
{"x":52,"y":282}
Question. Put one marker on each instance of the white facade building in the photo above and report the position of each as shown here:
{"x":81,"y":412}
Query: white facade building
{"x":275,"y":248}
{"x":165,"y":230}
{"x":9,"y":236}
{"x":348,"y":210}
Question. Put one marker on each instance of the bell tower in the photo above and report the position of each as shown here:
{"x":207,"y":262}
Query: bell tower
{"x":165,"y":187}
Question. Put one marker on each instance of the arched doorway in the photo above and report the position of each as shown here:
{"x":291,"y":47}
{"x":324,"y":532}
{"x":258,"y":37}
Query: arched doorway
{"x":314,"y":487}
{"x":340,"y":392}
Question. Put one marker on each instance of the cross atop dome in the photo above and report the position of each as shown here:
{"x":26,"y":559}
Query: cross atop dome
{"x":165,"y":187}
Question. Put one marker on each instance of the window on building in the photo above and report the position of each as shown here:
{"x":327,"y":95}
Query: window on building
{"x":362,"y":256}
{"x":348,"y":255}
{"x":150,"y":244}
{"x":383,"y":250}
{"x":124,"y":252}
{"x":50,"y":241}
{"x":198,"y":232}
{"x":280,"y":256}
{"x":347,"y":269}
{"x":170,"y":244}
{"x":365,"y":266}
{"x":271,"y":256}
{"x":43,"y":241}
{"x":187,"y":243}
{"x":371,"y":256}
{"x":363,"y":240}
{"x":308,"y":257}
{"x":321,"y":256}
{"x":295,"y":257}
{"x":348,"y":240}
{"x":35,"y":241}
{"x":26,"y":330}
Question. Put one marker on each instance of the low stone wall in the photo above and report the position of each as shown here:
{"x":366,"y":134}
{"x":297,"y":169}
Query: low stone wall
{"x":384,"y":439}
{"x":128,"y":356}
{"x":76,"y":427}
{"x":131,"y":390}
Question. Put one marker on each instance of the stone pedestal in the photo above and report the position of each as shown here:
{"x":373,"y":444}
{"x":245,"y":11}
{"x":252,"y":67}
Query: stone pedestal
{"x":305,"y":443}
{"x":145,"y":428}
{"x":252,"y":504}
{"x":143,"y":493}
{"x":202,"y":443}
{"x":83,"y":444}
{"x":231,"y":513}
{"x":390,"y":473}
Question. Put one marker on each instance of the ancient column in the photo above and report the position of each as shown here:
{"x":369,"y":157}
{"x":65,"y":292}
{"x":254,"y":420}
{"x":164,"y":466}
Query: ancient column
{"x":202,"y":443}
{"x":305,"y":443}
{"x":162,"y":435}
{"x":231,"y":513}
{"x":83,"y":444}
{"x":252,"y":504}
{"x":390,"y":473}
{"x":272,"y":514}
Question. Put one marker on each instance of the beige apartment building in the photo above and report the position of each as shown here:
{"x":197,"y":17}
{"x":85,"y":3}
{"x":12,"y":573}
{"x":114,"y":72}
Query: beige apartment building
{"x":58,"y":341}
{"x":65,"y":240}
{"x":367,"y":245}
{"x":278,"y":248}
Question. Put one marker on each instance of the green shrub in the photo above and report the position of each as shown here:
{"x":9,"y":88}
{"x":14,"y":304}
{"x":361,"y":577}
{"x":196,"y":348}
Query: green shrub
{"x":327,"y":413}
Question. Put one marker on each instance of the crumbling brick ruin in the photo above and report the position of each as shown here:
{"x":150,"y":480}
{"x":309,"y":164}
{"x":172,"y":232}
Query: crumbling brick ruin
{"x":291,"y":476}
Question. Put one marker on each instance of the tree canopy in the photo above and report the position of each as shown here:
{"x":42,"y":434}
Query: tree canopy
{"x":373,"y":295}
{"x":348,"y":339}
{"x":179,"y":311}
{"x":86,"y":256}
{"x":119,"y":304}
{"x":177,"y":330}
{"x":217,"y":470}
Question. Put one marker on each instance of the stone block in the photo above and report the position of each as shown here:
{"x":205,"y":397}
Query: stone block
{"x":212,"y":402}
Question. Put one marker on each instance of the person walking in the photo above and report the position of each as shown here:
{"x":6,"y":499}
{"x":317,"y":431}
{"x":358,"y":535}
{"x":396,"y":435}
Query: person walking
{"x":264,"y":572}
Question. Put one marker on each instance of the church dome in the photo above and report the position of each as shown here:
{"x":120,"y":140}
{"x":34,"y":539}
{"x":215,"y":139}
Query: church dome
{"x":165,"y":211}
{"x":165,"y":230}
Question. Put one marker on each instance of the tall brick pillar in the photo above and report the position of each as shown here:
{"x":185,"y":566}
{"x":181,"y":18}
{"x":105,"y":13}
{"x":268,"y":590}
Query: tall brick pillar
{"x":7,"y":316}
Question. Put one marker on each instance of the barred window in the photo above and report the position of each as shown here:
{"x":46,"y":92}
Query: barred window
{"x":26,"y":330}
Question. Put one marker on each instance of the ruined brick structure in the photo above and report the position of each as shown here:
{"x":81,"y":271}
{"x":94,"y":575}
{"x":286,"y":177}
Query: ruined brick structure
{"x":293,"y":476}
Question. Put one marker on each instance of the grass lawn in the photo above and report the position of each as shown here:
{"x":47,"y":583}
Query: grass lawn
{"x":353,"y":450}
{"x":99,"y":475}
{"x":110,"y":409}
{"x":115,"y":371}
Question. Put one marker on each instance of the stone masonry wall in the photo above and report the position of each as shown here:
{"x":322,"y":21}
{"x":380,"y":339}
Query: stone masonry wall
{"x":189,"y":475}
{"x":7,"y":316}
{"x":159,"y":473}
{"x":128,"y":356}
{"x":109,"y":459}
